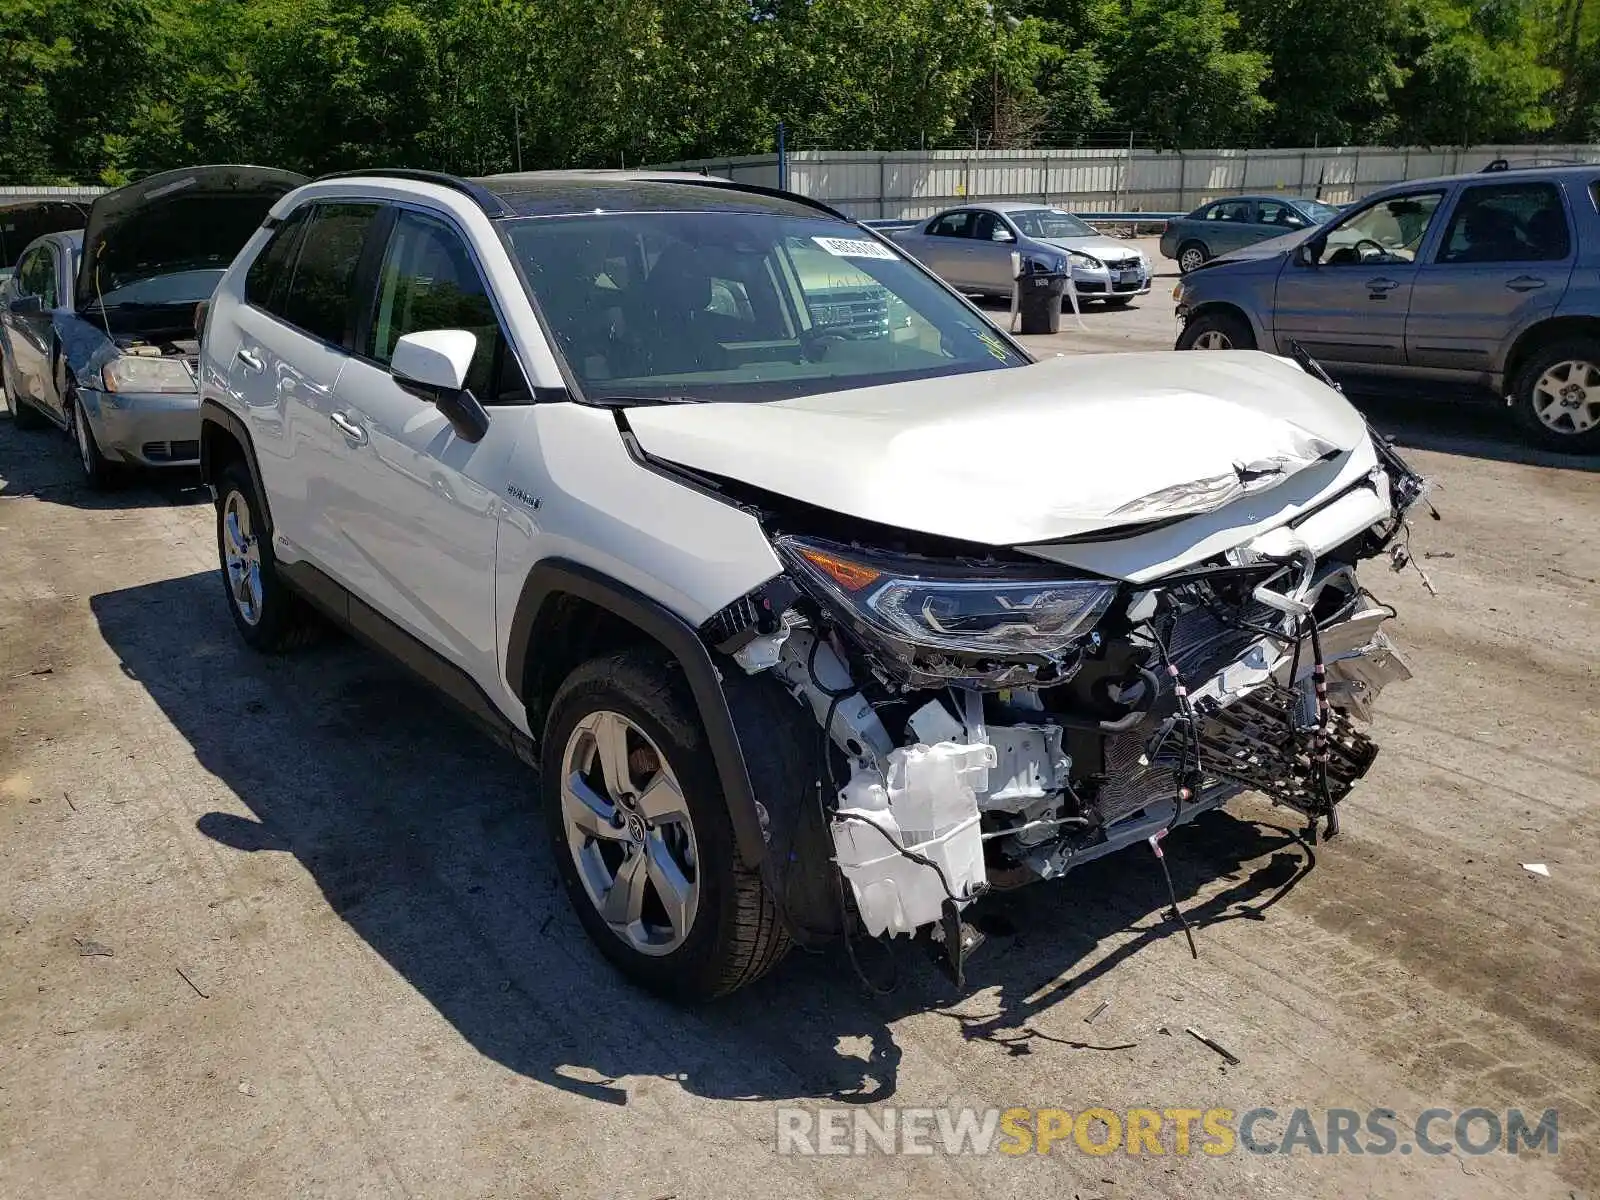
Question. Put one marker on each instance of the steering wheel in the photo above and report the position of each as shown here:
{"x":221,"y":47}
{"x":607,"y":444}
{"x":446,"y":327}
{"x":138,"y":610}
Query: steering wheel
{"x":1383,"y":251}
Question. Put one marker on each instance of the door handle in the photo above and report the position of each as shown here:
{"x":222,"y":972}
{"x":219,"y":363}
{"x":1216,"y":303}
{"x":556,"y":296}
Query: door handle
{"x":1525,"y":283}
{"x":349,"y":428}
{"x":248,"y":359}
{"x":1381,"y":285}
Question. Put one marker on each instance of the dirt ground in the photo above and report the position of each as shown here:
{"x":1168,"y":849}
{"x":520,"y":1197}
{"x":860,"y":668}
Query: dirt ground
{"x":286,"y":928}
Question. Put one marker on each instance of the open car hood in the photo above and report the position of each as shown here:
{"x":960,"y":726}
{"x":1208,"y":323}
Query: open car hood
{"x":1033,"y":454}
{"x":191,"y":218}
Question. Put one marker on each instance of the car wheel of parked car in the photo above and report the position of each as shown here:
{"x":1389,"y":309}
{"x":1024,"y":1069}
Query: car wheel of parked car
{"x":98,"y":472}
{"x":270,"y":617}
{"x":23,"y":413}
{"x":1217,"y":331}
{"x":642,"y":837}
{"x":1118,"y":301}
{"x":1192,"y":256}
{"x":1556,"y":396}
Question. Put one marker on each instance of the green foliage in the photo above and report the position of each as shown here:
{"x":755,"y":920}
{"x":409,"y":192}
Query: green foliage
{"x":108,"y":90}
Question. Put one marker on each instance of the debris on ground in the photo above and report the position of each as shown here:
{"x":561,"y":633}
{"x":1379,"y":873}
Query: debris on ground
{"x":245,"y":1089}
{"x":1537,"y":869}
{"x":87,"y":948}
{"x":1438,"y":554}
{"x":1227,"y":1054}
{"x":1095,"y":1015}
{"x":67,"y":796}
{"x":183,"y":976}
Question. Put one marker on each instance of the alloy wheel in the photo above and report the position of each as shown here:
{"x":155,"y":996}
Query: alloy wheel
{"x":241,"y":556}
{"x":1566,"y":397}
{"x":1191,"y":259}
{"x":1213,"y":339}
{"x":629,"y":832}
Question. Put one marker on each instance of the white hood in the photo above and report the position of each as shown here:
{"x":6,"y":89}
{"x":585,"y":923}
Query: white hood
{"x":1031,"y":454}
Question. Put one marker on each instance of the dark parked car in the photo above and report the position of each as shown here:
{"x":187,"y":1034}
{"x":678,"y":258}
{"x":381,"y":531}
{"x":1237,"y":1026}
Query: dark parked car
{"x":98,"y":329}
{"x":1490,"y":279}
{"x":1239,"y":221}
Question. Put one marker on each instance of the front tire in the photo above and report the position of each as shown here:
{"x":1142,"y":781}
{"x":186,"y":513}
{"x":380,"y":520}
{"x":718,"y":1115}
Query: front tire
{"x":1555,"y":397}
{"x":270,"y":617}
{"x":98,"y":471}
{"x":641,"y":834}
{"x":1118,"y":301}
{"x":1217,"y":331}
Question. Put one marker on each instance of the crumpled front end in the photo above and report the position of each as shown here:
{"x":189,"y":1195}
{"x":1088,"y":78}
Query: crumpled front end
{"x":994,"y":720}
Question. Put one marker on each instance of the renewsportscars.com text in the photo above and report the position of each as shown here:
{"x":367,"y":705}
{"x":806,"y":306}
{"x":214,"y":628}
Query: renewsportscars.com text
{"x":1162,"y":1131}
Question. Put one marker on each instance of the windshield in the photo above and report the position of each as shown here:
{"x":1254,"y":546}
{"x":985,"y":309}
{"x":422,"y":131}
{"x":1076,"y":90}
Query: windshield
{"x":1319,"y":213}
{"x":740,"y":306}
{"x":1049,"y":223}
{"x":180,"y":287}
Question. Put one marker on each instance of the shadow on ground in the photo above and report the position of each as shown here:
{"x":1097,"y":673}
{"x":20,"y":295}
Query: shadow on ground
{"x":43,"y":463}
{"x":1470,"y":423}
{"x":419,"y":833}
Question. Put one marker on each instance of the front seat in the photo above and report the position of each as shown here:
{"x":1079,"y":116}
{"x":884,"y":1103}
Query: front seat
{"x":683,"y":337}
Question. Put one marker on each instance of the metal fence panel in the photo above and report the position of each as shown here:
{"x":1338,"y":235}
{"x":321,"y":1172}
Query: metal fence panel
{"x":917,"y":183}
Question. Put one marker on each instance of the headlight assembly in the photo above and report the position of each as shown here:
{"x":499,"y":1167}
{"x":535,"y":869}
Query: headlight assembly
{"x":146,"y":373}
{"x":1086,"y":261}
{"x":922,"y":612}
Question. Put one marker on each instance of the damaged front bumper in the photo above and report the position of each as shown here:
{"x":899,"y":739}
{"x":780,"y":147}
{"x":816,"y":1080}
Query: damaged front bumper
{"x":949,"y":772}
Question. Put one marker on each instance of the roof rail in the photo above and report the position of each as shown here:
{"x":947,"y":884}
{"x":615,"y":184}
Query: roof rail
{"x":1533,"y":163}
{"x":730,"y":185}
{"x":482,"y":196}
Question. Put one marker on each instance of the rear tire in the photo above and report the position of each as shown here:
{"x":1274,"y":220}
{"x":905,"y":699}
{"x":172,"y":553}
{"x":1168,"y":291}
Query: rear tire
{"x":1555,"y":397}
{"x":693,"y":921}
{"x":23,"y":414}
{"x":270,"y":617}
{"x":1217,"y":331}
{"x":1192,"y":256}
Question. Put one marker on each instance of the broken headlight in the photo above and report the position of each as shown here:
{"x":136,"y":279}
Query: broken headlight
{"x":985,"y":612}
{"x":146,"y":373}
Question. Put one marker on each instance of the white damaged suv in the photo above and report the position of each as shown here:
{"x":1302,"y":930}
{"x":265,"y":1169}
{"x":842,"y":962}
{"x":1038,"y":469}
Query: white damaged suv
{"x":818,"y":604}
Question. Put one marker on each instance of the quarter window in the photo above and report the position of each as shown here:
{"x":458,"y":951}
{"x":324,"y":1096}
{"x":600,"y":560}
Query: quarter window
{"x":321,"y":293}
{"x":428,"y":281}
{"x":1507,"y":222}
{"x":267,"y":281}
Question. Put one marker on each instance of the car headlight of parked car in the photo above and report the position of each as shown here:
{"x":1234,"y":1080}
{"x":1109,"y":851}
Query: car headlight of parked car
{"x":1085,"y":262}
{"x":146,"y":373}
{"x":989,"y":610}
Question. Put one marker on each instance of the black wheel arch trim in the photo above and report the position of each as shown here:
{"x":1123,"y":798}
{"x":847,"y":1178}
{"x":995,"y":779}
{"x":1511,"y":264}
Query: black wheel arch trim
{"x":556,"y":576}
{"x":213,"y":413}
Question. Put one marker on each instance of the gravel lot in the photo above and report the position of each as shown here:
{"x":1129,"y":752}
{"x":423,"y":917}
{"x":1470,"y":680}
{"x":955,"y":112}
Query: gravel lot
{"x":274,"y":928}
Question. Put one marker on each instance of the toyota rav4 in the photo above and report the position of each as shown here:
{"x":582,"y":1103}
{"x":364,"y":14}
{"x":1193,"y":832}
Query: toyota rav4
{"x":811,"y":624}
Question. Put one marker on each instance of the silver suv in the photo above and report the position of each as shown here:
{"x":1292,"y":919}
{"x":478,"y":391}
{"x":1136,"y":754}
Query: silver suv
{"x":808,"y":627}
{"x":1489,"y":279}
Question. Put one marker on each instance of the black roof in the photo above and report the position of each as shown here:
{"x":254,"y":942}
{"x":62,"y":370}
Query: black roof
{"x":563,"y":193}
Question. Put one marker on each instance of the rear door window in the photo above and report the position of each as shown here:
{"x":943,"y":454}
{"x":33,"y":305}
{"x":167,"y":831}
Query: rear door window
{"x":321,"y":294}
{"x":955,"y":224}
{"x":266,"y":283}
{"x":1507,"y":222}
{"x":1231,"y":210}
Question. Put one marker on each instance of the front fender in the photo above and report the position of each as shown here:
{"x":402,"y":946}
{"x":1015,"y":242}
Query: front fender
{"x":83,"y":348}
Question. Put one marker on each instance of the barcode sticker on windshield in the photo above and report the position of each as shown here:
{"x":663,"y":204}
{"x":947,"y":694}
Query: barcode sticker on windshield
{"x":854,"y":248}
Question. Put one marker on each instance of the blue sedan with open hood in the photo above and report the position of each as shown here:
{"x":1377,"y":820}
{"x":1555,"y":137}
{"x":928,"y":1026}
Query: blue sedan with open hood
{"x":99,"y":333}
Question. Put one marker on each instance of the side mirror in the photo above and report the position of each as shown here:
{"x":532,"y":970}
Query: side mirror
{"x":1309,"y":254}
{"x":432,"y":365}
{"x":200,"y":311}
{"x":1003,"y":235}
{"x":26,"y":305}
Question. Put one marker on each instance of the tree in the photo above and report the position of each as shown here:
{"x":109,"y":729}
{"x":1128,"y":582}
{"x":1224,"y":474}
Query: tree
{"x":1179,"y":74}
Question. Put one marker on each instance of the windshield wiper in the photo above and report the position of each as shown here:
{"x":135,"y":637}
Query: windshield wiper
{"x":640,"y":401}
